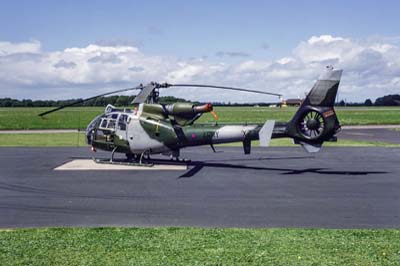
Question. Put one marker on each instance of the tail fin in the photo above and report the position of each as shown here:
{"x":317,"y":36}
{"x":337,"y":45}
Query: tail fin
{"x":316,"y":121}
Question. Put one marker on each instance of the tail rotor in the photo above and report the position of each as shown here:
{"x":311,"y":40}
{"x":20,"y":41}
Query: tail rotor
{"x":316,"y":120}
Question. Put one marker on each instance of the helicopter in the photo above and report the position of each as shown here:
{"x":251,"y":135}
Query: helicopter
{"x":153,"y":128}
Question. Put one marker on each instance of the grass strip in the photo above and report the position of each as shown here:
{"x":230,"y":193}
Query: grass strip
{"x":79,"y":117}
{"x":196,"y":246}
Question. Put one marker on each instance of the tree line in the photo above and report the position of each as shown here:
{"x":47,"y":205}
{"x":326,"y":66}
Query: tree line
{"x":100,"y":101}
{"x":387,"y":100}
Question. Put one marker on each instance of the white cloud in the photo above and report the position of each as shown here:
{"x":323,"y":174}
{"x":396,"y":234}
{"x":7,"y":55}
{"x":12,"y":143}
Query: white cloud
{"x":7,"y":48}
{"x":65,"y":64}
{"x":98,"y":49}
{"x":326,"y":47}
{"x":371,"y":69}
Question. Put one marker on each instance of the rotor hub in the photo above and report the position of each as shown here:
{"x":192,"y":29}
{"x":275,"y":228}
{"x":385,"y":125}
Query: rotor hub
{"x":313,"y":124}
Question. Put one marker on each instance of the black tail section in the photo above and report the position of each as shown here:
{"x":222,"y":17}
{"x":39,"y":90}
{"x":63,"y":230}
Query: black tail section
{"x":316,"y":121}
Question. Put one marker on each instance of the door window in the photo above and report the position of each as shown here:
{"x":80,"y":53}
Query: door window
{"x":122,"y":121}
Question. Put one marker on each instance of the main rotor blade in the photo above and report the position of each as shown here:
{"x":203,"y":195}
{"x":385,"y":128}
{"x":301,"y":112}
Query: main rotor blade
{"x":224,"y":88}
{"x":88,"y":99}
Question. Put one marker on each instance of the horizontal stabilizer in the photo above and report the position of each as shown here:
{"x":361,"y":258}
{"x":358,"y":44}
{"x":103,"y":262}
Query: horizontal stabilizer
{"x":265,"y":133}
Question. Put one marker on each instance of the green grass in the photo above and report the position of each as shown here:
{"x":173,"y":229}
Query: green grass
{"x":75,"y":139}
{"x":347,"y":116}
{"x":79,"y":117}
{"x":27,"y":118}
{"x":190,"y":246}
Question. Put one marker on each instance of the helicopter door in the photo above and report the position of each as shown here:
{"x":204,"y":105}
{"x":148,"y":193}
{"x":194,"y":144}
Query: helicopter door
{"x":122,"y":125}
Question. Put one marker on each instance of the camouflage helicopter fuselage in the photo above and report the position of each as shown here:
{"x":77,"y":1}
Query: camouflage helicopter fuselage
{"x":156,"y":128}
{"x":150,"y":128}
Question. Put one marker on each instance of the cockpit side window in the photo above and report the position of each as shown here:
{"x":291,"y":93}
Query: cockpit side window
{"x":104,"y":123}
{"x":109,"y":122}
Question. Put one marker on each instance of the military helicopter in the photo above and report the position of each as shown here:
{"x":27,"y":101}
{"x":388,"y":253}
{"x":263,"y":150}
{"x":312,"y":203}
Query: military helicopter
{"x":153,"y":128}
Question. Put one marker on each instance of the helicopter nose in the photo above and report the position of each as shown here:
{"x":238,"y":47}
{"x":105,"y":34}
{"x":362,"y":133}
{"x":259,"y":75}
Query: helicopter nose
{"x":88,"y":138}
{"x":88,"y":134}
{"x":90,"y":129}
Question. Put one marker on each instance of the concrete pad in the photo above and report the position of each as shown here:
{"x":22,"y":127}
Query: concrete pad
{"x":86,"y":164}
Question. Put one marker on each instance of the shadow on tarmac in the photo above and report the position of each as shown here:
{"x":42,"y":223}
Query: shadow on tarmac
{"x":197,"y":166}
{"x":285,"y":171}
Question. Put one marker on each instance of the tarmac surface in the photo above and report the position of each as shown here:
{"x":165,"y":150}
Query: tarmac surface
{"x":388,"y":134}
{"x":272,"y":187}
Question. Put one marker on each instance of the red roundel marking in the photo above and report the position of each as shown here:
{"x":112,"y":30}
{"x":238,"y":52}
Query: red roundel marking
{"x":194,"y":135}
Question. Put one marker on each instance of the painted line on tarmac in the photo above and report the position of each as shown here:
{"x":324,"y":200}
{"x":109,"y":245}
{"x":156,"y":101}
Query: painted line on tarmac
{"x":372,"y":127}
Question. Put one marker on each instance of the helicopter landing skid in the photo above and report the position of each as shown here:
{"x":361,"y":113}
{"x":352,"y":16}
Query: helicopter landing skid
{"x":180,"y":160}
{"x":128,"y":163}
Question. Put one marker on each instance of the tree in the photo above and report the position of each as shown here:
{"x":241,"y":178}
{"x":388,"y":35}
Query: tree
{"x":342,"y":103}
{"x":368,"y":102}
{"x":388,"y":100}
{"x":122,"y":101}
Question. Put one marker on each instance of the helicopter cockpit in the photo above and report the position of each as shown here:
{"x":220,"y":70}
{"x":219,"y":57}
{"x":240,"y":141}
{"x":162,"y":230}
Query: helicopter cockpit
{"x":105,"y":125}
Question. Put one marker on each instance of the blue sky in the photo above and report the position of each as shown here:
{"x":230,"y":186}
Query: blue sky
{"x":228,"y":32}
{"x":195,"y":28}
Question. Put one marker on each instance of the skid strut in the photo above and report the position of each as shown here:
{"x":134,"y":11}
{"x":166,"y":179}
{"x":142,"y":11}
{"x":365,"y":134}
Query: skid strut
{"x":112,"y":154}
{"x":107,"y":161}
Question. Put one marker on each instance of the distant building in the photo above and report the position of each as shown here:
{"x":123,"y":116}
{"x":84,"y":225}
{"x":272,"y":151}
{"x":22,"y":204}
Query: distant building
{"x":294,"y":102}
